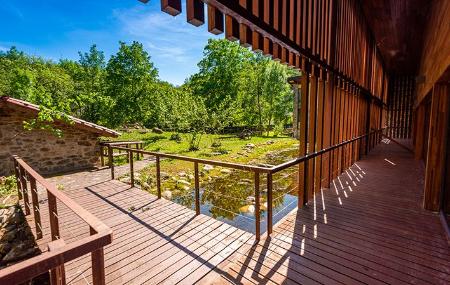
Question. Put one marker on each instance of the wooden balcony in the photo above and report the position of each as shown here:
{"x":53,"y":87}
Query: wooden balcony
{"x":368,"y":228}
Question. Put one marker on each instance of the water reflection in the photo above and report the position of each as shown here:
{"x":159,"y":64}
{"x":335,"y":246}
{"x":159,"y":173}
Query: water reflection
{"x":230,"y":197}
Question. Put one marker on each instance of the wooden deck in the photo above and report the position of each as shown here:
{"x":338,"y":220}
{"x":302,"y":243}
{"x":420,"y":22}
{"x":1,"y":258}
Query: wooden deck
{"x":153,"y":240}
{"x":369,"y":228}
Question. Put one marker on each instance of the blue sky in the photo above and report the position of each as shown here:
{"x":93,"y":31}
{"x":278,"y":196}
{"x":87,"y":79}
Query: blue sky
{"x":57,"y":29}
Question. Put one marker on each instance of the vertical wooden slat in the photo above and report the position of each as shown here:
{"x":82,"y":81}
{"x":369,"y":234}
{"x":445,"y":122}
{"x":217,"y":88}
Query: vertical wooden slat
{"x":131,"y":168}
{"x":57,"y":274}
{"x":18,"y":181}
{"x":111,"y":161}
{"x":215,"y":20}
{"x":158,"y":177}
{"x":197,"y":189}
{"x":269,"y":203}
{"x":98,"y":265}
{"x":435,"y":164}
{"x":172,"y":7}
{"x":257,"y":208}
{"x":245,"y":35}
{"x":23,"y":182}
{"x":257,"y":41}
{"x":36,"y":210}
{"x":303,"y":135}
{"x":53,"y":216}
{"x":195,"y":12}
{"x":231,"y":28}
{"x":312,"y":129}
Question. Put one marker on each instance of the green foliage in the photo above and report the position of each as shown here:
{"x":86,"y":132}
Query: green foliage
{"x":8,"y":185}
{"x":233,"y":87}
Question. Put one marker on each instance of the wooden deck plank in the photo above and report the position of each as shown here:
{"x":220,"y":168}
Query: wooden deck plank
{"x":367,"y":228}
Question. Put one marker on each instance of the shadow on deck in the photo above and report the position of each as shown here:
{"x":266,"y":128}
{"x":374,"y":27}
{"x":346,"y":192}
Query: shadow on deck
{"x":154,"y":240}
{"x":368,"y":228}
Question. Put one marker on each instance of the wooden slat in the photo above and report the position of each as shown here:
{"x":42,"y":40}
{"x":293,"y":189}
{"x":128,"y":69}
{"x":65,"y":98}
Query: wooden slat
{"x":215,"y":20}
{"x":195,"y":12}
{"x":171,"y":7}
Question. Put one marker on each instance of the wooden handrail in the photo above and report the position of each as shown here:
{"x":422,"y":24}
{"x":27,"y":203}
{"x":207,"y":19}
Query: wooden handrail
{"x":251,"y":168}
{"x":101,"y":235}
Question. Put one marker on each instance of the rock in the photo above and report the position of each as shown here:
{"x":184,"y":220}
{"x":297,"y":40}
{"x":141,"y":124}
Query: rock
{"x":164,"y":175}
{"x":4,"y":248}
{"x":157,"y":131}
{"x":208,"y":167}
{"x":225,"y":171}
{"x":270,"y":142}
{"x":186,"y":188}
{"x":249,"y":145}
{"x":174,"y":178}
{"x":191,"y":177}
{"x":126,"y":179}
{"x":9,"y":235}
{"x":18,"y":251}
{"x":167,"y":194}
{"x":184,"y":182}
{"x":247,"y":209}
{"x":182,"y":174}
{"x":250,"y":199}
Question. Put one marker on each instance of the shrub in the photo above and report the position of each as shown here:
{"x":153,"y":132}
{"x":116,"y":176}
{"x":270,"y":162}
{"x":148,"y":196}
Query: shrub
{"x":8,"y":185}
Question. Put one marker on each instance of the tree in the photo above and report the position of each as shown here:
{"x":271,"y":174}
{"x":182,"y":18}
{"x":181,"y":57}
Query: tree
{"x":130,"y":76}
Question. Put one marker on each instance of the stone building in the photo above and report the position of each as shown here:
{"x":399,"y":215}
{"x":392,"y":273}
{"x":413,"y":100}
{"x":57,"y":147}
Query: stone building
{"x":78,"y":148}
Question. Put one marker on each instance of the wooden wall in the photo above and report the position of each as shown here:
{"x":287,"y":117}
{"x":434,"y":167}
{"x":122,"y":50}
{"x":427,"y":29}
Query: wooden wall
{"x":437,"y":146}
{"x":436,"y":49}
{"x":400,"y":104}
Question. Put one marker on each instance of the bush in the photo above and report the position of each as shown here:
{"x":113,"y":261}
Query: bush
{"x":175,"y":137}
{"x":8,"y":185}
{"x":216,"y":143}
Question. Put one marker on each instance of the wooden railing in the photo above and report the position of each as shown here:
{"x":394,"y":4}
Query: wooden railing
{"x":58,"y":251}
{"x":128,"y":144}
{"x":371,"y":139}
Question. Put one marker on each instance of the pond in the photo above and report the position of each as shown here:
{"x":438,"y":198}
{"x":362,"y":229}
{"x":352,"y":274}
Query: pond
{"x":229,"y":195}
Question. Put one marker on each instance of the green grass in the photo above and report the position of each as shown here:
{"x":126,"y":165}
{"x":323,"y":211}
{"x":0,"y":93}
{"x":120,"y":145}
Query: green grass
{"x":229,"y":149}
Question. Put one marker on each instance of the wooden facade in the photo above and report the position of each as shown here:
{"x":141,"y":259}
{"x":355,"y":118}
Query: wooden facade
{"x":341,"y":47}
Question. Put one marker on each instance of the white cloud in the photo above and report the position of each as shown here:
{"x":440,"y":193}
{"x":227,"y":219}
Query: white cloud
{"x":166,"y":37}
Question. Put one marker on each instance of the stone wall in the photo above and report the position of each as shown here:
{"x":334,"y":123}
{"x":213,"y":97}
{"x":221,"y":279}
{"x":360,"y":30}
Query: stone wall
{"x":46,"y":153}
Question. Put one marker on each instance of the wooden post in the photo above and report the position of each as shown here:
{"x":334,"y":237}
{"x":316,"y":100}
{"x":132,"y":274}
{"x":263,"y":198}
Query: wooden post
{"x":128,"y":153}
{"x":257,"y":208}
{"x":57,"y":274}
{"x":130,"y":158}
{"x":110,"y":161}
{"x":138,"y":155}
{"x":53,"y":216}
{"x":197,"y":189}
{"x":36,"y":211}
{"x":269,"y":203}
{"x":23,"y":182}
{"x":102,"y":158}
{"x":158,"y":177}
{"x":98,"y":265}
{"x":18,"y":182}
